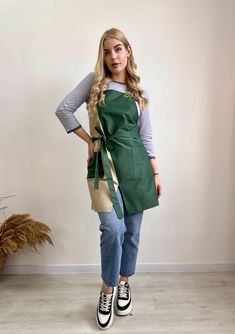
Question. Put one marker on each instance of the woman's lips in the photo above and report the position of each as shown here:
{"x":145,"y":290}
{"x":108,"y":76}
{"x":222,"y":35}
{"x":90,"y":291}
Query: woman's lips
{"x":115,"y":64}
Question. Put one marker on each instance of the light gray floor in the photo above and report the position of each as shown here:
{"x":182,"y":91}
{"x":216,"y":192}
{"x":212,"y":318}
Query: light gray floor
{"x":163,"y":303}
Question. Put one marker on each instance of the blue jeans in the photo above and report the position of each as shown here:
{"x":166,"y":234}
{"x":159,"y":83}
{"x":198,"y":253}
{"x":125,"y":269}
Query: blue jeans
{"x":119,"y":242}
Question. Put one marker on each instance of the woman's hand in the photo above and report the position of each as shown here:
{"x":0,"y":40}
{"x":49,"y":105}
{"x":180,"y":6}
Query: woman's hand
{"x":80,"y":132}
{"x":90,"y":152}
{"x":155,"y":169}
{"x":158,"y":185}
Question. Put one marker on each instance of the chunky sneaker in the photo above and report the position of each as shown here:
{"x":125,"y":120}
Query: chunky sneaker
{"x":123,"y":304}
{"x":104,"y":312}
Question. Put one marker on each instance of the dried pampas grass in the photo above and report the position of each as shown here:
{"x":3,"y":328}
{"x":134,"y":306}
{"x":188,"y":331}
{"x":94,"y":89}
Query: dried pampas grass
{"x":19,"y":230}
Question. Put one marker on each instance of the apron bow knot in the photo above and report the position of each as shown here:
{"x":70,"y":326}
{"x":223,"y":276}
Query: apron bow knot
{"x":106,"y":146}
{"x":104,"y":139}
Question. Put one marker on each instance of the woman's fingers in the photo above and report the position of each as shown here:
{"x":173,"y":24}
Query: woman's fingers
{"x":90,"y":153}
{"x":158,"y":186}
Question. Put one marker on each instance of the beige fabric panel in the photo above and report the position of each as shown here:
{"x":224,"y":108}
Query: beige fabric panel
{"x":100,"y":198}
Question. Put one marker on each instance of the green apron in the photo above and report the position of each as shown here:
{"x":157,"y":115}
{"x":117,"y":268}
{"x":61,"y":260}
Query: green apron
{"x":119,"y":135}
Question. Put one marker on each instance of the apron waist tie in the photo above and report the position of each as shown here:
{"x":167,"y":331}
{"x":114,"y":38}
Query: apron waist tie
{"x":107,"y":146}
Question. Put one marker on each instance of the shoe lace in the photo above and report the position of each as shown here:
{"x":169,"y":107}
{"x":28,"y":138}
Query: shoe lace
{"x":105,"y":302}
{"x":123,"y":291}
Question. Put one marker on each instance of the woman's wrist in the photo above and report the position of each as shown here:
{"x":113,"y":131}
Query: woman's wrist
{"x":90,"y":141}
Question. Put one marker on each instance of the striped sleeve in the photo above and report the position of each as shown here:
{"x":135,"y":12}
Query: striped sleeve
{"x":67,"y":107}
{"x":145,"y":130}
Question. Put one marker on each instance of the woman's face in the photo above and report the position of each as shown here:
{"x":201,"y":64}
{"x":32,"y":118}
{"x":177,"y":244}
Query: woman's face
{"x":115,"y":56}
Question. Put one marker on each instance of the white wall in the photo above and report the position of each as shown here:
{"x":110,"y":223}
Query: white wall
{"x":185,"y":54}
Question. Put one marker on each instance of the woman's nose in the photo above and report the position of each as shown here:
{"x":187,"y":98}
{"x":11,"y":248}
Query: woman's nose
{"x":113,"y":55}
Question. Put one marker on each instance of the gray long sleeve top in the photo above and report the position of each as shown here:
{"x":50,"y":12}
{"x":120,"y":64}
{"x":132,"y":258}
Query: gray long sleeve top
{"x":80,"y":94}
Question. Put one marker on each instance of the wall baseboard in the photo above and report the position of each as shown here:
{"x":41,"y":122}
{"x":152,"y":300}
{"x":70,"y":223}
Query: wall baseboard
{"x":141,"y":267}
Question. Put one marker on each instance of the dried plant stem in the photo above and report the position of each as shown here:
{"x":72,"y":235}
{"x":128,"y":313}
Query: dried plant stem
{"x":20,"y":230}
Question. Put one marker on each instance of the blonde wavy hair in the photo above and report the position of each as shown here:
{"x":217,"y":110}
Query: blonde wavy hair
{"x":102,"y":76}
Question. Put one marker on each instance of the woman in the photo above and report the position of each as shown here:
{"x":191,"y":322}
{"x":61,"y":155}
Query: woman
{"x":122,"y":173}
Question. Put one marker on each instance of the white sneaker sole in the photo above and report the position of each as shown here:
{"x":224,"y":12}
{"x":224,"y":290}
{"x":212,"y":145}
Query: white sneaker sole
{"x":123,"y":312}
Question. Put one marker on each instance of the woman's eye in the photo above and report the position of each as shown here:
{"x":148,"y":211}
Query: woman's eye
{"x":116,"y":50}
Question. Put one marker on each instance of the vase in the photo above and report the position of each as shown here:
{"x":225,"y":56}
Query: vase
{"x":3,"y":257}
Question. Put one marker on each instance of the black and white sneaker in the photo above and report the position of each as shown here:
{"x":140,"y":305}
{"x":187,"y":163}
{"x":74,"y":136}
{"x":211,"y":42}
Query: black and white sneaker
{"x":123,"y":304}
{"x":104,"y":312}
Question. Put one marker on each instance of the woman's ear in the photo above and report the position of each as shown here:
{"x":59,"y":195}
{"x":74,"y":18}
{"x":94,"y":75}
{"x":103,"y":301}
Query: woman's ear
{"x":128,"y":51}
